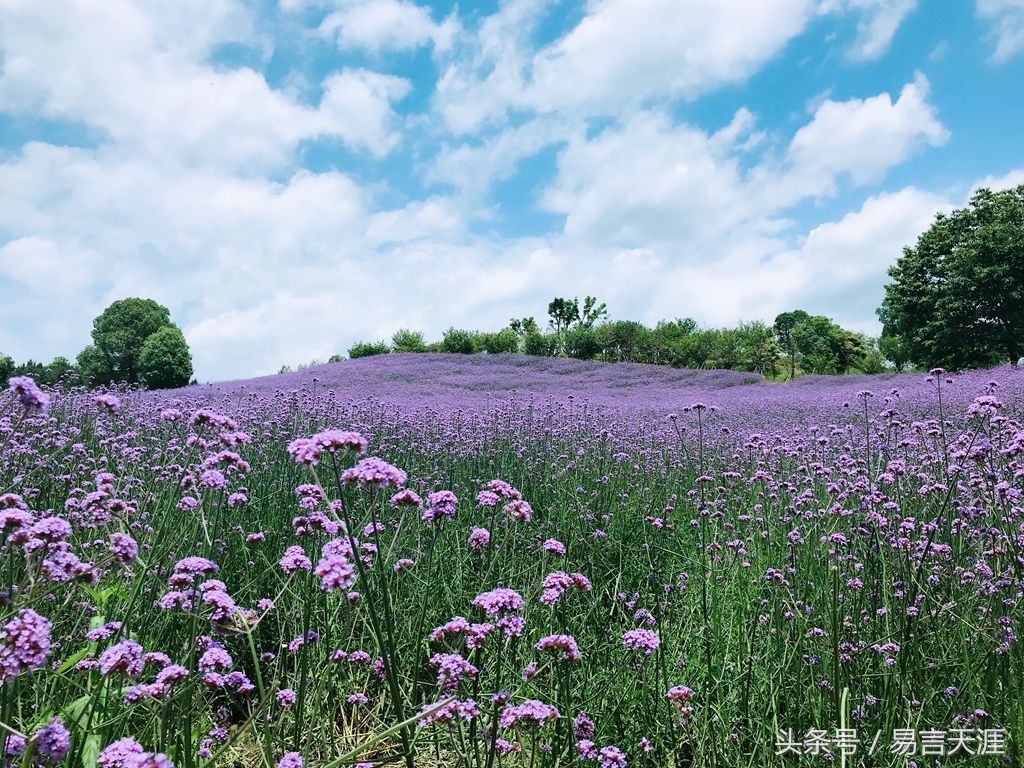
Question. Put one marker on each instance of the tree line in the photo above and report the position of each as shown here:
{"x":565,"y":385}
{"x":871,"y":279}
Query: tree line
{"x":134,"y":342}
{"x":797,"y":343}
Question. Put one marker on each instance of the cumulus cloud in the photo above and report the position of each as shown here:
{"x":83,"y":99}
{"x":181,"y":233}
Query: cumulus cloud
{"x":1006,"y":26}
{"x":877,"y":23}
{"x":386,"y":25}
{"x":283,"y":222}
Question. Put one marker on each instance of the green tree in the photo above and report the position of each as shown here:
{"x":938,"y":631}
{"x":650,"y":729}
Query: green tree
{"x":581,"y":343}
{"x":500,"y":342}
{"x":624,"y":340}
{"x":956,"y":298}
{"x":165,"y":361}
{"x":784,"y":324}
{"x":759,"y":350}
{"x":894,"y":349}
{"x":368,"y":349}
{"x":539,"y":344}
{"x":405,"y":340}
{"x":459,"y":341}
{"x":118,"y":335}
{"x":6,"y":369}
{"x":820,"y":344}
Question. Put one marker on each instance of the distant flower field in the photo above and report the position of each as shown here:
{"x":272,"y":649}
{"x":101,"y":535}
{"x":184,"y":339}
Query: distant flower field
{"x":430,"y":560}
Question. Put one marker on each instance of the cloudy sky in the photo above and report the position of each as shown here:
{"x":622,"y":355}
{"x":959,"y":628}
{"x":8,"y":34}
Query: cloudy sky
{"x":290,"y":176}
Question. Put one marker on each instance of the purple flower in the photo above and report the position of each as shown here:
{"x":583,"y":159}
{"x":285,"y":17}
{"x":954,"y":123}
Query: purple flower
{"x":499,"y":601}
{"x":479,"y":538}
{"x":643,"y":640}
{"x":373,"y":471}
{"x":530,"y":715}
{"x":123,"y":547}
{"x":564,"y":646}
{"x":294,"y":560}
{"x":290,"y":760}
{"x":335,"y":572}
{"x":111,"y":402}
{"x":124,"y":657}
{"x":24,"y":643}
{"x":307,"y":450}
{"x":28,"y":393}
{"x":285,"y":697}
{"x":117,"y":752}
{"x":148,"y":760}
{"x":53,"y":740}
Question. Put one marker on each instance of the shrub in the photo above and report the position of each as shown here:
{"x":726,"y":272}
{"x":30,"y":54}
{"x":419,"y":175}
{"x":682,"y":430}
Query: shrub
{"x":368,"y":349}
{"x":459,"y":341}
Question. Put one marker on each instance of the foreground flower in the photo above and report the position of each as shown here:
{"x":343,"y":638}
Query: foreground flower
{"x":24,"y":644}
{"x":290,"y":760}
{"x":643,"y":640}
{"x":28,"y":393}
{"x":53,"y":740}
{"x":564,"y":646}
{"x":116,"y":754}
{"x":530,"y":715}
{"x":307,"y":450}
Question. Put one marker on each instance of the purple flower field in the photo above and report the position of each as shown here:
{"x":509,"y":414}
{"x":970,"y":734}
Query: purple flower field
{"x":432,"y":560}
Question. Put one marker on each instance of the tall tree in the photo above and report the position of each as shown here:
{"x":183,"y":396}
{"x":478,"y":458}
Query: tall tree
{"x":165,"y":362}
{"x":956,"y":298}
{"x":784,"y":324}
{"x":118,"y":335}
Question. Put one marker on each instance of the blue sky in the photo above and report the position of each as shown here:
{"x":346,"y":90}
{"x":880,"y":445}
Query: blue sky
{"x":290,"y":176}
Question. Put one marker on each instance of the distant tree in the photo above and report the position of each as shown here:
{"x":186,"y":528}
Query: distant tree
{"x":581,"y":342}
{"x":624,"y":340}
{"x":671,"y":342}
{"x":6,"y":369}
{"x":459,"y":341}
{"x":405,"y":340}
{"x":591,"y":312}
{"x":894,"y":349}
{"x":503,"y":341}
{"x":368,"y":349}
{"x":523,"y":325}
{"x":784,"y":324}
{"x":540,"y":344}
{"x":759,"y":350}
{"x":118,"y":335}
{"x":335,"y":358}
{"x":820,"y":344}
{"x":563,"y":313}
{"x":957,"y":296}
{"x":165,"y":361}
{"x":59,"y":370}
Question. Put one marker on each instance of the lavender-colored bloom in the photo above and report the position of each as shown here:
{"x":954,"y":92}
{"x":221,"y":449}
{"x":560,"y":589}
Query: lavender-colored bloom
{"x":28,"y":393}
{"x":148,"y":760}
{"x":295,"y":560}
{"x":499,"y":601}
{"x":479,"y":538}
{"x":290,"y":760}
{"x":123,"y":547}
{"x":335,"y":572}
{"x":530,"y":715}
{"x":109,"y":401}
{"x":24,"y":643}
{"x":124,"y":657}
{"x":643,"y":640}
{"x":373,"y":471}
{"x":117,"y":753}
{"x":53,"y":740}
{"x":285,"y":697}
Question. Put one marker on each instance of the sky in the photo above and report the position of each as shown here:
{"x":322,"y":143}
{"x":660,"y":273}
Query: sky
{"x":291,"y":176}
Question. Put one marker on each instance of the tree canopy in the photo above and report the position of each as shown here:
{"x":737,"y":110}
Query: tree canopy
{"x":956,"y":299}
{"x":118,"y":335}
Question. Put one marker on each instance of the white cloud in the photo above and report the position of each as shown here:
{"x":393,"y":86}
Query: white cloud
{"x":622,"y":53}
{"x":863,"y":138}
{"x":1006,"y":20}
{"x":133,"y":73}
{"x":625,"y":51}
{"x":387,"y":25}
{"x":877,"y":23}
